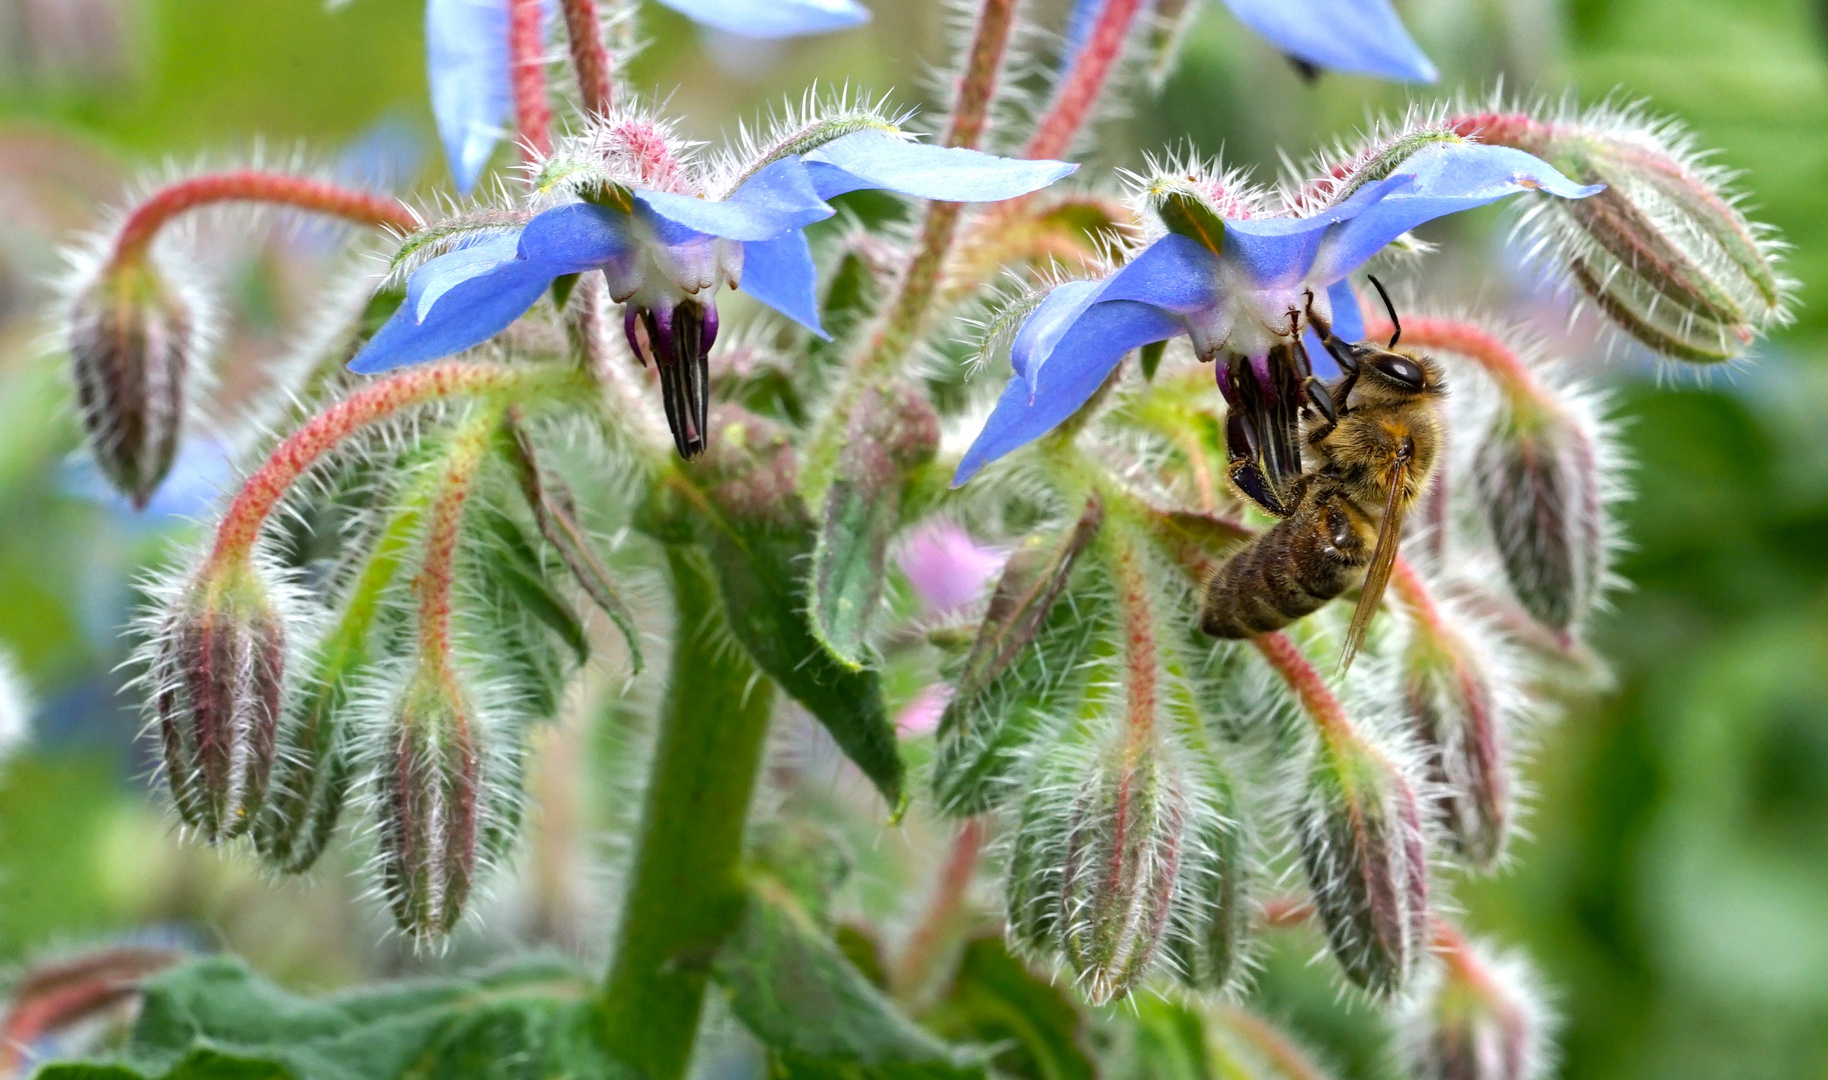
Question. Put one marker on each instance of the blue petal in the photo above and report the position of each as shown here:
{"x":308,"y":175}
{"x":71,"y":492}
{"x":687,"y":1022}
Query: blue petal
{"x":474,"y":294}
{"x":876,"y":159}
{"x":1042,"y":329}
{"x":1436,"y":181}
{"x":1073,"y":372}
{"x":1348,"y":319}
{"x":774,"y":200}
{"x":472,"y":313}
{"x":466,"y":61}
{"x":1364,"y":36}
{"x":781,"y":274}
{"x":773,"y":18}
{"x":1175,"y":272}
{"x":446,"y":272}
{"x":1079,"y":30}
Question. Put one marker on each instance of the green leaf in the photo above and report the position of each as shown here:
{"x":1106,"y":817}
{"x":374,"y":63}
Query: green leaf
{"x":215,"y":1020}
{"x":741,"y":502}
{"x":793,"y":988}
{"x":555,"y":512}
{"x":521,"y":573}
{"x":893,"y":431}
{"x":1035,"y":1026}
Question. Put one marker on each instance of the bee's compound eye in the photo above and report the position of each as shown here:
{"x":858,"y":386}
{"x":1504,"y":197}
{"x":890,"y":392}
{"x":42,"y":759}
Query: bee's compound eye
{"x":1400,"y":369}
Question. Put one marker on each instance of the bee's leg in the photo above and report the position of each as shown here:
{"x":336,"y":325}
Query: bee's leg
{"x":1340,"y":351}
{"x":1322,"y":400}
{"x":1246,"y":464}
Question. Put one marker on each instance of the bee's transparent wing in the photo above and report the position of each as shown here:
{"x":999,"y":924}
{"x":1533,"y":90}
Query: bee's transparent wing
{"x":1383,"y":558}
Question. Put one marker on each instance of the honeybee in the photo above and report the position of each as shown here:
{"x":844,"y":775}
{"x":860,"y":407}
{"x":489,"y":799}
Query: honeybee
{"x":1373,"y":436}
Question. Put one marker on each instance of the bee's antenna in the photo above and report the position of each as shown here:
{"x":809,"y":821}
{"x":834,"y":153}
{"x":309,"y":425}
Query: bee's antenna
{"x":1391,"y":308}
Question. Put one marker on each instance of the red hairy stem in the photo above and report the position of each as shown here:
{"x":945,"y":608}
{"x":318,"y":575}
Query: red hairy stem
{"x":1285,"y":912}
{"x":589,"y":56}
{"x":1079,"y":89}
{"x":437,"y":576}
{"x":527,"y":63}
{"x":916,"y":963}
{"x":1316,"y":699}
{"x":241,"y":524}
{"x":250,"y":185}
{"x":1488,"y":350}
{"x":1505,"y":129}
{"x":1285,"y":1058}
{"x":972,"y":95}
{"x":53,"y":997}
{"x":1141,"y":672}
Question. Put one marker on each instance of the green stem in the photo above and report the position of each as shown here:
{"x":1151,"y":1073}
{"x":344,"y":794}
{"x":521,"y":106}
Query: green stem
{"x":684,"y":895}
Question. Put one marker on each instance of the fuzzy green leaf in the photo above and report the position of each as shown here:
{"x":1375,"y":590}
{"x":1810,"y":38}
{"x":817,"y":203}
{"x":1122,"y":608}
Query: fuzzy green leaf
{"x":1035,"y":1025}
{"x":793,"y":988}
{"x":215,"y":1020}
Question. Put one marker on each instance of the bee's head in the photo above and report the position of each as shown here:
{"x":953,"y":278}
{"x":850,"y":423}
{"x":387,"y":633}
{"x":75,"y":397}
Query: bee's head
{"x":1394,"y":376}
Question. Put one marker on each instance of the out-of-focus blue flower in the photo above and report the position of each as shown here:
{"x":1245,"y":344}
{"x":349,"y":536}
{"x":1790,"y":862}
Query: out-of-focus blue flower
{"x":199,"y":475}
{"x":1362,"y":36}
{"x":773,"y":18}
{"x":468,"y":64}
{"x":1245,"y":299}
{"x":470,"y":71}
{"x":666,"y":253}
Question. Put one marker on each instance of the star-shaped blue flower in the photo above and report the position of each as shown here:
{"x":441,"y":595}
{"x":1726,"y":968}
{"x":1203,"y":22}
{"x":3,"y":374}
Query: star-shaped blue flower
{"x":468,"y":64}
{"x":1247,"y":296}
{"x":1361,"y":36}
{"x":665,"y":254}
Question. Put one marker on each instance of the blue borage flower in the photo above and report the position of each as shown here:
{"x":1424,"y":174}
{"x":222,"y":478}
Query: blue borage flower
{"x":1362,"y":36}
{"x":1244,"y":287}
{"x":469,"y":67}
{"x":667,"y":238}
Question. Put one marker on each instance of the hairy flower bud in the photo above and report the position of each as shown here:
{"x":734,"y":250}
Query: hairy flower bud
{"x":133,"y":341}
{"x":218,"y":673}
{"x":1125,"y":836}
{"x":1539,"y":473}
{"x":1480,"y":1017}
{"x":1360,"y":836}
{"x":1664,"y":251}
{"x":431,"y":804}
{"x":1454,"y":706}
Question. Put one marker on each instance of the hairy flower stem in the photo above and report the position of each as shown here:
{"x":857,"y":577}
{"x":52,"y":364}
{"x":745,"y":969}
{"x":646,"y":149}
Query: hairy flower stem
{"x":437,"y":577}
{"x":249,"y":185}
{"x":527,"y":62}
{"x":914,"y":970}
{"x":919,"y":280}
{"x":1078,"y":91}
{"x":684,"y":896}
{"x":240,"y":526}
{"x":1317,"y":701}
{"x":589,"y":56}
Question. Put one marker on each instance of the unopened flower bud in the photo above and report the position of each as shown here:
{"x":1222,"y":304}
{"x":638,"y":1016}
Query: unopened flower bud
{"x":1454,"y":706}
{"x":1664,"y":251}
{"x":1481,"y":1017}
{"x":133,"y":340}
{"x":1209,"y":932}
{"x":1539,"y":475}
{"x":1125,"y":838}
{"x":1360,"y":836}
{"x":431,"y":804}
{"x":219,"y":672}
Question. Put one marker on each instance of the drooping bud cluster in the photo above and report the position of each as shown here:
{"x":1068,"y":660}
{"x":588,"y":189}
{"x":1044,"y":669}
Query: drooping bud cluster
{"x":431,"y":804}
{"x":218,"y":674}
{"x":135,"y":340}
{"x":1360,"y":835}
{"x":1665,"y":251}
{"x":1480,"y":1017}
{"x":1544,"y":478}
{"x":1460,"y":713}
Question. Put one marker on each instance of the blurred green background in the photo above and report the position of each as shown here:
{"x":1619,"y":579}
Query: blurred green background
{"x":1674,"y":890}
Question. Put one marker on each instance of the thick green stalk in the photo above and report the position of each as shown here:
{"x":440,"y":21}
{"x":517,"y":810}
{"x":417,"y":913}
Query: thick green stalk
{"x":684,"y":895}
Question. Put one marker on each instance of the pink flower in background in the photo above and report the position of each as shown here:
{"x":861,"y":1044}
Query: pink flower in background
{"x":947,"y":568}
{"x":920,"y":716}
